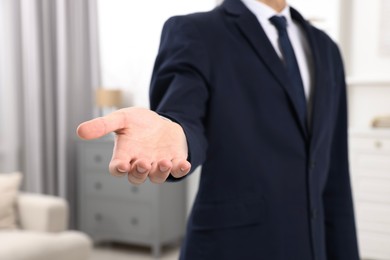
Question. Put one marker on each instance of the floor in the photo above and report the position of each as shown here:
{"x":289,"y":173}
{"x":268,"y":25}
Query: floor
{"x":126,"y":252}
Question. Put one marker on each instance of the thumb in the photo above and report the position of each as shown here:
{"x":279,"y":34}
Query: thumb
{"x":101,"y":126}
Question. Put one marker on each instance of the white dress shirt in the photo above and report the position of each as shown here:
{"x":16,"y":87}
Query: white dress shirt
{"x":296,"y":34}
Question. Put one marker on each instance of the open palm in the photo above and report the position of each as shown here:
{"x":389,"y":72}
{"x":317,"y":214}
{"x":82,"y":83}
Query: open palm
{"x":146,"y":145}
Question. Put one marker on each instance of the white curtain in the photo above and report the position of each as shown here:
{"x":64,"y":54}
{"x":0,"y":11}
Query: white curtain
{"x":49,"y":70}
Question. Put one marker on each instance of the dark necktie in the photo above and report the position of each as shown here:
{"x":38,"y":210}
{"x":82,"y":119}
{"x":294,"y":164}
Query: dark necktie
{"x":291,"y":64}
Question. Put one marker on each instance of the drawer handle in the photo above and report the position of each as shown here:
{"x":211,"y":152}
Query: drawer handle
{"x":98,"y":186}
{"x":98,"y":217}
{"x":98,"y":158}
{"x":378,"y":144}
{"x":134,"y":221}
{"x":134,"y":189}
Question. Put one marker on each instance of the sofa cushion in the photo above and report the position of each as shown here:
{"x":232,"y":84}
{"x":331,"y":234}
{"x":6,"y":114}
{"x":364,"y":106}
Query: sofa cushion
{"x":33,"y":245}
{"x":9,"y":187}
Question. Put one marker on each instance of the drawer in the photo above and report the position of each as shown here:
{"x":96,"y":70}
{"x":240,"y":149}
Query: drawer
{"x":383,"y":174}
{"x":374,"y":212}
{"x":376,"y":227}
{"x":373,"y":189}
{"x":374,"y":245}
{"x":370,"y":144}
{"x":97,"y":156}
{"x":113,"y":217}
{"x":373,"y":161}
{"x":104,"y":186}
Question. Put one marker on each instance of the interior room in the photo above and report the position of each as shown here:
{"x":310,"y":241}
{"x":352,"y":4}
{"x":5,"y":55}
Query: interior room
{"x":65,"y":62}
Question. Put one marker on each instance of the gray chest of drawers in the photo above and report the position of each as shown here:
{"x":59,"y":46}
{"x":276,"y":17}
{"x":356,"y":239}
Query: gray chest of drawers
{"x":112,"y":209}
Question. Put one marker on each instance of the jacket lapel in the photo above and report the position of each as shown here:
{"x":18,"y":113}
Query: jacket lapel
{"x":320,"y":88}
{"x":255,"y":35}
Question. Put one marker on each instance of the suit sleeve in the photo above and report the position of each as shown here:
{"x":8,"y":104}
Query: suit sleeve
{"x":179,"y":88}
{"x":338,"y":204}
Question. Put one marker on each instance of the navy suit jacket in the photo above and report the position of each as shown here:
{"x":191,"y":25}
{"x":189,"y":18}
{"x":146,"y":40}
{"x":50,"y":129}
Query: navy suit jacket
{"x":270,"y":187}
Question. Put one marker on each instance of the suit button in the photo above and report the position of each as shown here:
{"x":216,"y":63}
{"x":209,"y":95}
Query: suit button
{"x":314,"y":214}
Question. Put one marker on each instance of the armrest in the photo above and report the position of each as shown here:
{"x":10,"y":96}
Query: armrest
{"x":42,"y":212}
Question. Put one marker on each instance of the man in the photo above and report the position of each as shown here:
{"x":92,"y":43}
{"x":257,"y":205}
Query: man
{"x":257,"y":95}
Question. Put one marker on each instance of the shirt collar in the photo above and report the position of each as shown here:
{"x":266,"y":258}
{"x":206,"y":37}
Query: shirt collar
{"x":263,"y":12}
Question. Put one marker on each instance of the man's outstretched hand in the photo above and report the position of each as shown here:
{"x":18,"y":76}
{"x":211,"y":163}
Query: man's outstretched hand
{"x":146,"y":145}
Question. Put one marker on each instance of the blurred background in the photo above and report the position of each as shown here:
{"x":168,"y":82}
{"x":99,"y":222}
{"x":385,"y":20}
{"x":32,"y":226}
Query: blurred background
{"x":65,"y":61}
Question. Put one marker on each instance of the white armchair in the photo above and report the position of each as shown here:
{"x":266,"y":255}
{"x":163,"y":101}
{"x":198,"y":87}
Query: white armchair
{"x":42,"y":234}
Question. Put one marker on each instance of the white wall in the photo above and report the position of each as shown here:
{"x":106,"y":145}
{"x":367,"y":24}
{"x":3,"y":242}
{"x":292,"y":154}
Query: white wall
{"x":368,"y":67}
{"x":367,"y":61}
{"x":129,"y":38}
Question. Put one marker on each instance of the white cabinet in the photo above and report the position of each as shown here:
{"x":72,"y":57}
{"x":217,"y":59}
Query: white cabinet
{"x":370,"y":174}
{"x":112,"y":209}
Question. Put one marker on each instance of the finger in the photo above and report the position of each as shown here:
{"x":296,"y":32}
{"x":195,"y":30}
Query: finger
{"x":160,"y":171}
{"x":121,"y":156}
{"x":139,"y":171}
{"x":180,"y":168}
{"x":118,"y":168}
{"x":101,"y":126}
